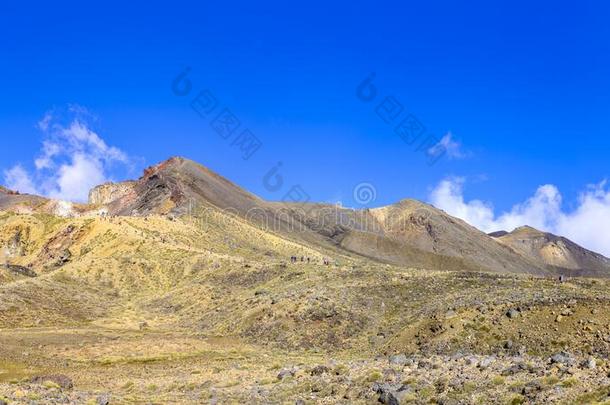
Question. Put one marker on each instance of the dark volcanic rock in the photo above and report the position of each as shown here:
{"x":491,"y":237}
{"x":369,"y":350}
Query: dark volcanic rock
{"x":391,"y":394}
{"x":563,"y":358}
{"x":319,"y":370}
{"x":21,"y":270}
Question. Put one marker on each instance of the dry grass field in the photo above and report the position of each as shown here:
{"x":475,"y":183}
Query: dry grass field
{"x":211,"y":310}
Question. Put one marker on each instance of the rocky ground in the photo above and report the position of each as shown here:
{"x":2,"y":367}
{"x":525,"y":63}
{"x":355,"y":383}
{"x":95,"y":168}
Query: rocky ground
{"x":161,"y":310}
{"x":229,"y":372}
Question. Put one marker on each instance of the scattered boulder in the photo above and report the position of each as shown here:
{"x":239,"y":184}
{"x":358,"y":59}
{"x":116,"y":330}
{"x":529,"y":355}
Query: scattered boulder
{"x":424,"y":364}
{"x":21,"y":270}
{"x":286,"y":373}
{"x":398,"y":359}
{"x":390,"y":374}
{"x":486,"y":362}
{"x":512,"y":313}
{"x":562,"y":358}
{"x":319,"y":370}
{"x":590,"y":363}
{"x":61,"y":380}
{"x":403,"y":396}
{"x":103,"y":399}
{"x":514,"y":369}
{"x":64,"y":257}
{"x":391,"y":395}
{"x":531,"y":389}
{"x":437,"y":328}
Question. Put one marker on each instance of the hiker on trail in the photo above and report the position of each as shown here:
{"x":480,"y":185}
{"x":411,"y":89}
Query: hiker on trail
{"x":308,"y":260}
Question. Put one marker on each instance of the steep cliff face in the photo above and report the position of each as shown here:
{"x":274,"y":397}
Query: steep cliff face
{"x":109,"y":192}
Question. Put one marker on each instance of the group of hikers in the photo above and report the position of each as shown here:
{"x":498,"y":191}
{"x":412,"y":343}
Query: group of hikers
{"x":295,"y":259}
{"x":303,"y":259}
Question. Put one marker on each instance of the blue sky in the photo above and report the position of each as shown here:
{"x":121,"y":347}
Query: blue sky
{"x":522,"y":88}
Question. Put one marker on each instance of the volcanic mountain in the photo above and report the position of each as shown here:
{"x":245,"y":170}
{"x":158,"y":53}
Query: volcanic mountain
{"x":555,"y":252}
{"x":173,"y":186}
{"x":408,"y":233}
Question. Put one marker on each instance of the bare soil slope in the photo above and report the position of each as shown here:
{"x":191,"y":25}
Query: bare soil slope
{"x":557,"y":252}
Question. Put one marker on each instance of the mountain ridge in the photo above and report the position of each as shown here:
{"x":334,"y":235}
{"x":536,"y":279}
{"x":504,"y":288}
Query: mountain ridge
{"x":409,"y":232}
{"x":554,"y":250}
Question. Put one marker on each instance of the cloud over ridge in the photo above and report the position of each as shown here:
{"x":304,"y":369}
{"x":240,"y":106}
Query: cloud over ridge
{"x":588,"y":224}
{"x":73,"y":158}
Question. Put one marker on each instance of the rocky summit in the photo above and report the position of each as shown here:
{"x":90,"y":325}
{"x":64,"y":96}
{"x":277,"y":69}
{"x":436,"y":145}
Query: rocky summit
{"x":181,"y":287}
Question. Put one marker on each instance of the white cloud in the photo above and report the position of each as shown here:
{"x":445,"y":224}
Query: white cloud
{"x":450,"y":146}
{"x":49,"y":151}
{"x":72,"y":160}
{"x":43,"y":124}
{"x":448,"y":196}
{"x":75,"y":178}
{"x":587,"y":225}
{"x":17,"y":178}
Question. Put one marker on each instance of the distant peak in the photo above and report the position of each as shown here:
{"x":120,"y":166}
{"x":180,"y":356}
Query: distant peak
{"x":498,"y":234}
{"x":5,"y":190}
{"x":526,"y":228}
{"x":527,"y":231}
{"x":169,"y":163}
{"x":410,"y":202}
{"x":177,"y":160}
